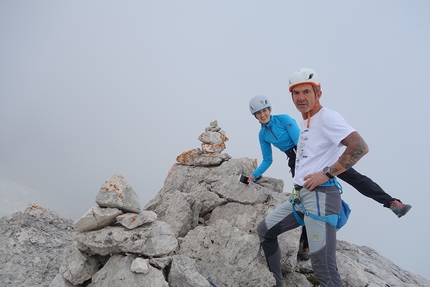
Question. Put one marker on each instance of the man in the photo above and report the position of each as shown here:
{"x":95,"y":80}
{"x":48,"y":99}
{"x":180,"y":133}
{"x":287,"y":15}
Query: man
{"x":281,"y":131}
{"x":319,"y":159}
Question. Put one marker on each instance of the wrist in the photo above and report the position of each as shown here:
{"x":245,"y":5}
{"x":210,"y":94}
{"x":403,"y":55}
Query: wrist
{"x":326,"y":171}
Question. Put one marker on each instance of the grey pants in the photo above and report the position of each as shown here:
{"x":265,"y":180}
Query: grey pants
{"x":323,"y":200}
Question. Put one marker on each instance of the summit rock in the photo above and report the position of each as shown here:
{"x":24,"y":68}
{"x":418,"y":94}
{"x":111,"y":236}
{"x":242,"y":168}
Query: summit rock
{"x":198,"y":231}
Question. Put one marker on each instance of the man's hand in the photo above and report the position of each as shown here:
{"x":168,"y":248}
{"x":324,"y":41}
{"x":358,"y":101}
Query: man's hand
{"x":356,"y":148}
{"x":314,"y":179}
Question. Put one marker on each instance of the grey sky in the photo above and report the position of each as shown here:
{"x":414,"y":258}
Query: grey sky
{"x":93,"y":88}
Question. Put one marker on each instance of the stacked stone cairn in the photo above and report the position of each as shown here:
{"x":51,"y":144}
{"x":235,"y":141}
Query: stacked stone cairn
{"x":118,"y":244}
{"x":213,"y":143}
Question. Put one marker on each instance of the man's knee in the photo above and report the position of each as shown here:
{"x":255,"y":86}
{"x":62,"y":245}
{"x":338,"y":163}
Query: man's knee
{"x":262,"y":229}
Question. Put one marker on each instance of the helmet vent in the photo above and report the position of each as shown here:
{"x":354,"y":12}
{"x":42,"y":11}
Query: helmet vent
{"x":302,"y":76}
{"x":258,"y":103}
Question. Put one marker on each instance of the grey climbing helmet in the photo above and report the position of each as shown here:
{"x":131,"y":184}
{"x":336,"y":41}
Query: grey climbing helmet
{"x":258,"y":103}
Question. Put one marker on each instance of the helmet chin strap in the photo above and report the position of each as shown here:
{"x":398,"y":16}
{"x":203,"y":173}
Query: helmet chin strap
{"x":309,"y":115}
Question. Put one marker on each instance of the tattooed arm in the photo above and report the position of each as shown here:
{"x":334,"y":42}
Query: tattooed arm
{"x":356,"y":148}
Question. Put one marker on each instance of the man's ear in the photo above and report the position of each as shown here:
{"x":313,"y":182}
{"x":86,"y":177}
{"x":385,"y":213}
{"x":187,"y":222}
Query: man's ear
{"x":319,"y":94}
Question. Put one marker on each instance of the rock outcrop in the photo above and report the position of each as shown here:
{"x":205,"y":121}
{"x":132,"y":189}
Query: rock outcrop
{"x":31,"y":246}
{"x":198,"y":231}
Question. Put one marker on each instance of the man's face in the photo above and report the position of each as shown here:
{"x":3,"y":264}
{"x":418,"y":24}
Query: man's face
{"x":263,"y":116}
{"x":304,"y":97}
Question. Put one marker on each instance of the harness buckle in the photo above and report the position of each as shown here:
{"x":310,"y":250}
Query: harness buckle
{"x":297,"y":200}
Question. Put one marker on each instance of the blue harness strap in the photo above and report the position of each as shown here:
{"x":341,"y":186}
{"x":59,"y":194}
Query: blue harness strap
{"x":336,"y":220}
{"x":299,"y":220}
{"x":331,"y":219}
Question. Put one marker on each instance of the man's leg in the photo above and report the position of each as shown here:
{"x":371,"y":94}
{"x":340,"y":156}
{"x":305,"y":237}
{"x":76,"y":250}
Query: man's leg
{"x":322,"y":236}
{"x":278,"y":221}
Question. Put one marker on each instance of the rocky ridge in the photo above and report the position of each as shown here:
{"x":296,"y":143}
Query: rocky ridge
{"x":199,"y":230}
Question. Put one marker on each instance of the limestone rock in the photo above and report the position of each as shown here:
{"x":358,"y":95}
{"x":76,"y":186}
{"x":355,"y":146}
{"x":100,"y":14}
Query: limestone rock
{"x":77,"y":267}
{"x":237,"y":250}
{"x":31,"y":246}
{"x":160,"y":263}
{"x":213,"y":127}
{"x":209,"y":137}
{"x":191,"y":193}
{"x":116,"y":192}
{"x":152,"y":240}
{"x":140,"y":265}
{"x":133,"y":220}
{"x":364,"y":265}
{"x":179,"y":210}
{"x":60,"y":281}
{"x":197,"y":157}
{"x":96,"y":218}
{"x":117,"y":272}
{"x":184,"y":273}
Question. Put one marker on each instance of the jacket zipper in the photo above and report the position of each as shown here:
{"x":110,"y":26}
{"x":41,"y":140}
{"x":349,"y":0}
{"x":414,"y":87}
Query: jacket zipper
{"x":270,"y":129}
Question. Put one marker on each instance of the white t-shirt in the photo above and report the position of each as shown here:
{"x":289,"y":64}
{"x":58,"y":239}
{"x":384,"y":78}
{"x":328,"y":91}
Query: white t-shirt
{"x":320,"y":144}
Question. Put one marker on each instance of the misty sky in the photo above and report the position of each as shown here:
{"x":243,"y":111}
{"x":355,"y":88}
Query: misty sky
{"x":93,"y":88}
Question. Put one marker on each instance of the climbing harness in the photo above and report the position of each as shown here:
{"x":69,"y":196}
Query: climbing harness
{"x":337,"y":220}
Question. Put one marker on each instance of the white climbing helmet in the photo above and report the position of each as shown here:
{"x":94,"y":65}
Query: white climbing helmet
{"x":304,"y":76}
{"x":258,"y":103}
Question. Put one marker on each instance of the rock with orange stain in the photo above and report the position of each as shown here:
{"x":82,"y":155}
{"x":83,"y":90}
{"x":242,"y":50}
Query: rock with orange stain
{"x":213,"y":148}
{"x":133,"y":220}
{"x":189,"y":157}
{"x":213,"y":143}
{"x":212,"y":137}
{"x":116,"y":192}
{"x":35,"y":210}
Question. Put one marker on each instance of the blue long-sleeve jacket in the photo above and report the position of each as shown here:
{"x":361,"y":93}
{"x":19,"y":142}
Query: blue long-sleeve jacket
{"x":283,"y":132}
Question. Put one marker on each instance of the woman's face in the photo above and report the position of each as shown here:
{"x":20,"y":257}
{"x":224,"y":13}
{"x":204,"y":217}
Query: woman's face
{"x":263,"y":116}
